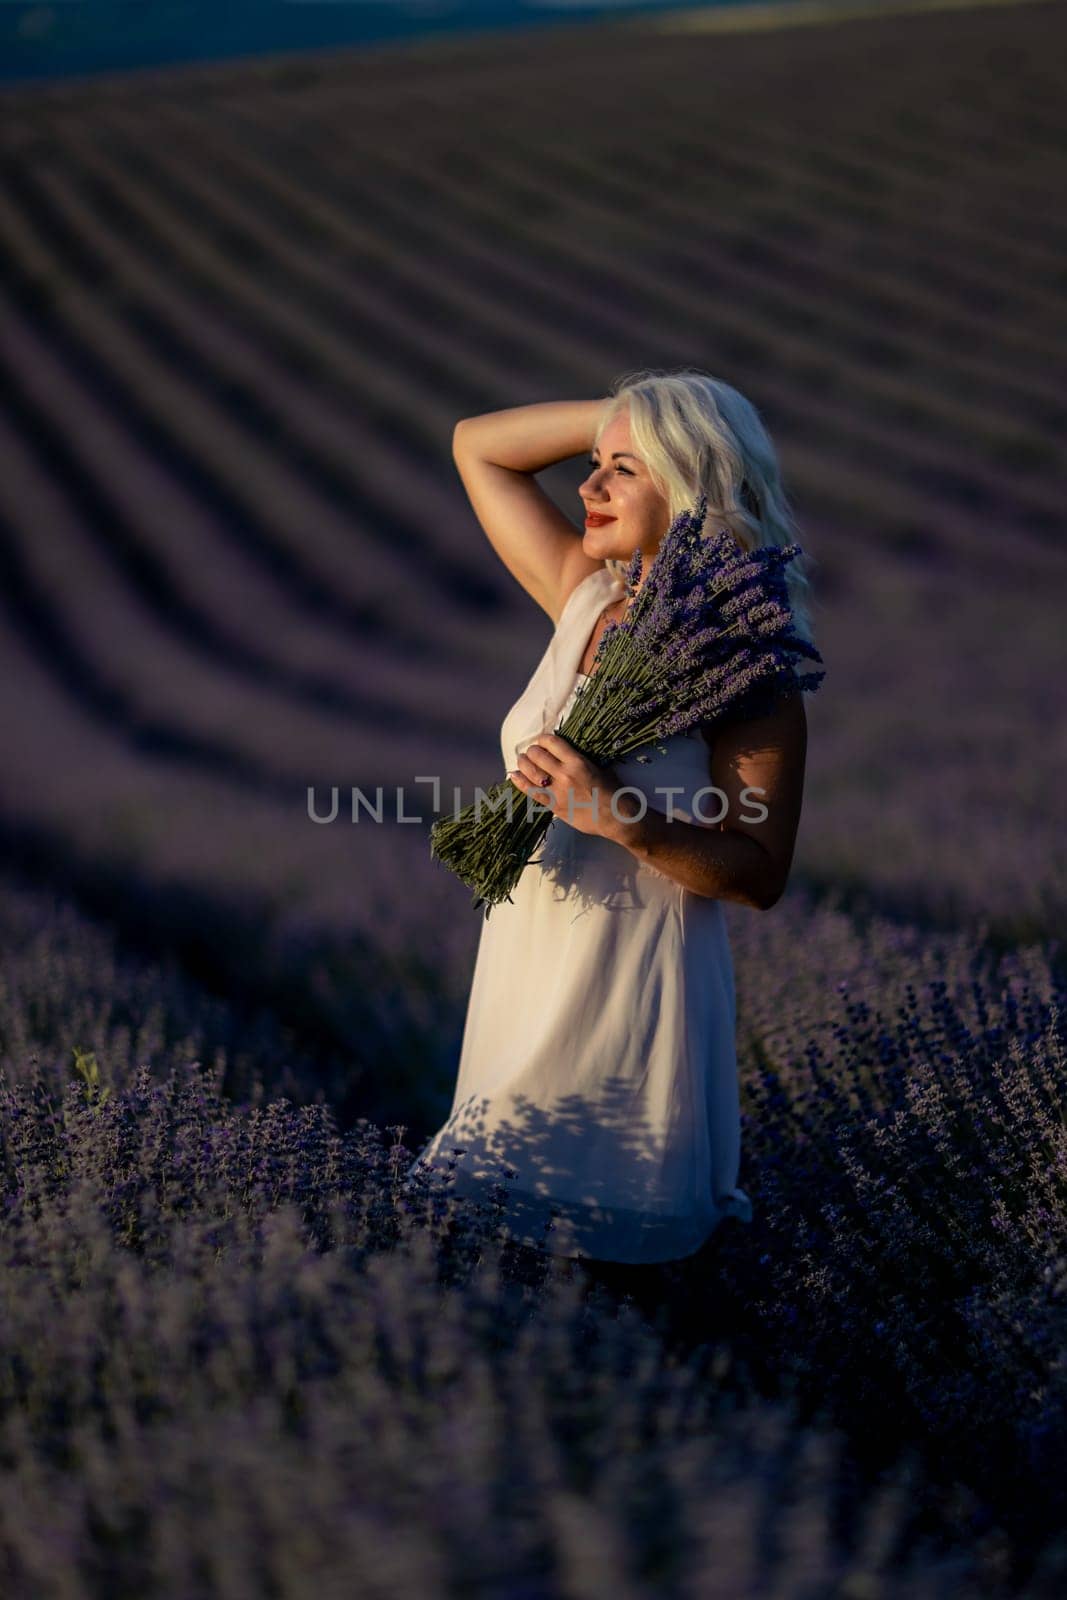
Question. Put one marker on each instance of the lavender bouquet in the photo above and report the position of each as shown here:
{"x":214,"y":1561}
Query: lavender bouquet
{"x":709,"y":632}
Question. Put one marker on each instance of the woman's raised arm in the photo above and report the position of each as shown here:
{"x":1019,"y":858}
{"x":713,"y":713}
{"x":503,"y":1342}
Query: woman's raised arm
{"x":496,"y":456}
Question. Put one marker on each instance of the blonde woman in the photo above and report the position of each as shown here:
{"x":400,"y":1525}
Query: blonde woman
{"x":597,"y":1078}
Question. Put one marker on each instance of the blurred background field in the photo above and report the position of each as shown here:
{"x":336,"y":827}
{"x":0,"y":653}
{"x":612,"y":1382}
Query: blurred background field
{"x":241,"y":308}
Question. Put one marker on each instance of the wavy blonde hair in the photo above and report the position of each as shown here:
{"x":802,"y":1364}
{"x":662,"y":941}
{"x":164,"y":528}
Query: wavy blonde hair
{"x":697,"y":435}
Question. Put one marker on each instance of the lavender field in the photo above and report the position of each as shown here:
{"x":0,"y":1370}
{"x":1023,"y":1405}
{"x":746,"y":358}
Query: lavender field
{"x":242,"y":307}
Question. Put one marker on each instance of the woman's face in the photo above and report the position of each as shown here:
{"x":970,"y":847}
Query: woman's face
{"x":619,"y":487}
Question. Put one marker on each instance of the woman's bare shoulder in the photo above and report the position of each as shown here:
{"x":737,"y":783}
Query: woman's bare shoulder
{"x":576,"y":570}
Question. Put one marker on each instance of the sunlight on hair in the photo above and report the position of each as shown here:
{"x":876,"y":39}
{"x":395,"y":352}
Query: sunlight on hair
{"x":698,"y":435}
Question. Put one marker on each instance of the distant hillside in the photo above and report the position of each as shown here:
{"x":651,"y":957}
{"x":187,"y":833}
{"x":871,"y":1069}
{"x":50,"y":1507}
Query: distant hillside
{"x":87,"y":36}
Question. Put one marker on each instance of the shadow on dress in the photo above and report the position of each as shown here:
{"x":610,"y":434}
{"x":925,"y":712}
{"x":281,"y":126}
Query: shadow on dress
{"x":590,"y":1179}
{"x":590,"y":871}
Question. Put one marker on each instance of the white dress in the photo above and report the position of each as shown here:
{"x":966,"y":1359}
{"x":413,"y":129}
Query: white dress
{"x":598,"y":1058}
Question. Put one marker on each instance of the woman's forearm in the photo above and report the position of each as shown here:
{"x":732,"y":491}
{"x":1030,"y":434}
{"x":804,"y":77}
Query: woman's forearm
{"x":529,"y":438}
{"x":719,"y":863}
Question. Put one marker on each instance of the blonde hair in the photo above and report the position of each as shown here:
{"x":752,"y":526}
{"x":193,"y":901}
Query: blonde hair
{"x":697,"y":435}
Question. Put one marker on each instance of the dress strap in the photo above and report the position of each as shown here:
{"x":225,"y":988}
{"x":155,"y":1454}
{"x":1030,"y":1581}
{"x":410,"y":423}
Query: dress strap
{"x":540,"y":703}
{"x":586,"y":601}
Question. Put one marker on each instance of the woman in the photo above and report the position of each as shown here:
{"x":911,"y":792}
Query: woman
{"x":598,"y":1077}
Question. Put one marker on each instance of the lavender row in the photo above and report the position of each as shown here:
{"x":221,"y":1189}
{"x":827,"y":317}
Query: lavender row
{"x":231,"y":1293}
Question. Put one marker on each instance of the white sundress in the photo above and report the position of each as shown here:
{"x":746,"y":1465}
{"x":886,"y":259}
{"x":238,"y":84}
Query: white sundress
{"x":598,"y":1060}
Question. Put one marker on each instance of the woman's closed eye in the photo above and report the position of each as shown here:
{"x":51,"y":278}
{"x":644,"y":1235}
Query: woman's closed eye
{"x":627,"y":471}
